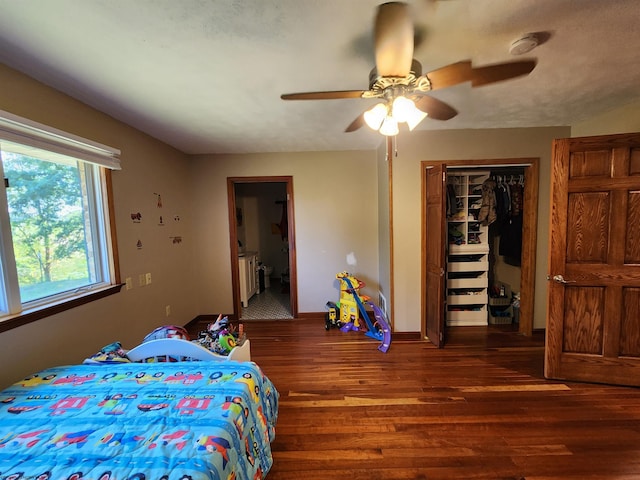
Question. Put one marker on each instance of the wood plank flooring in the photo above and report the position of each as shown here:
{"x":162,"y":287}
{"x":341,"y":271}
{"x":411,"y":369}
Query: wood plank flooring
{"x":479,"y":409}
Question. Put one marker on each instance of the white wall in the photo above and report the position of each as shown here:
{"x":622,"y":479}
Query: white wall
{"x":458,"y":145}
{"x":336,"y":220}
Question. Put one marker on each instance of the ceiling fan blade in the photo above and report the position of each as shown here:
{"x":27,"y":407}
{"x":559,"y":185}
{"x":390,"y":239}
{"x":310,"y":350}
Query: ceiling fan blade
{"x":356,"y":124}
{"x":501,"y":71}
{"x":435,"y":108}
{"x":450,"y":75}
{"x":323,"y":95}
{"x":393,"y":39}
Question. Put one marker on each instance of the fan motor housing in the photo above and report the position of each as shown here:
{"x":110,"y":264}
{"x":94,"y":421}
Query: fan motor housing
{"x":379,"y":85}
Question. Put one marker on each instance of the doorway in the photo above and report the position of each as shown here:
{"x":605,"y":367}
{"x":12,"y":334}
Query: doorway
{"x":262,"y":247}
{"x":436,"y":238}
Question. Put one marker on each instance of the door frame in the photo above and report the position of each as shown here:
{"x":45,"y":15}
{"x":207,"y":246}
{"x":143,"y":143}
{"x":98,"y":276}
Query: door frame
{"x":529,"y":232}
{"x":233,"y":239}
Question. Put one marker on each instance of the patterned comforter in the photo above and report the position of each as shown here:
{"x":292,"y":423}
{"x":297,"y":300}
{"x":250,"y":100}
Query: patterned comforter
{"x":147,"y":421}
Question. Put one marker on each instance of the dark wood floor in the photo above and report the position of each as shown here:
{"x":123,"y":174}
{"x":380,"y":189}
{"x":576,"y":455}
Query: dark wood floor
{"x":478,"y":409}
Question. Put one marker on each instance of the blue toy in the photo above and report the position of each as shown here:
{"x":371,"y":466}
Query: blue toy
{"x":379,"y":330}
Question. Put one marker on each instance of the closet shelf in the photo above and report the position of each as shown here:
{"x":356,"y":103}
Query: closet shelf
{"x":468,"y":251}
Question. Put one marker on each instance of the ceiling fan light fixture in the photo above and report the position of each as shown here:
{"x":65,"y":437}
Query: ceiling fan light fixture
{"x":415,"y":118}
{"x":375,"y":116}
{"x":402,"y":108}
{"x":389,"y":127}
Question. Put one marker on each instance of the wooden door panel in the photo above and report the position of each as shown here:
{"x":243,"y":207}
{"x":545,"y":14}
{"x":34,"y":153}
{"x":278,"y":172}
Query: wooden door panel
{"x":580,"y":336}
{"x":632,"y":246}
{"x":593,"y":315}
{"x":630,"y":326}
{"x":589,"y":164}
{"x":434,"y":208}
{"x":588,"y":238}
{"x":634,"y":162}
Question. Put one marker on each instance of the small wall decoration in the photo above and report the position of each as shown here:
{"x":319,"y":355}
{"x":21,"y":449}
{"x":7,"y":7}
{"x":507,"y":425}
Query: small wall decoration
{"x":139,"y":244}
{"x":175,"y":240}
{"x":136,"y":217}
{"x":161,"y":222}
{"x":158,"y":200}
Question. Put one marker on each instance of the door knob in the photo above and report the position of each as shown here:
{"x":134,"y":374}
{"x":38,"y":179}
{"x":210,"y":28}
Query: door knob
{"x":560,"y":279}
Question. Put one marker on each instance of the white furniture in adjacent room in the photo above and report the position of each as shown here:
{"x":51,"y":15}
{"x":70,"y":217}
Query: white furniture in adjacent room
{"x":247,"y":263}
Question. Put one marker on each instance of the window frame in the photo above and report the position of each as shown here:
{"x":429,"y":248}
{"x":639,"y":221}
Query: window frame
{"x":27,"y":132}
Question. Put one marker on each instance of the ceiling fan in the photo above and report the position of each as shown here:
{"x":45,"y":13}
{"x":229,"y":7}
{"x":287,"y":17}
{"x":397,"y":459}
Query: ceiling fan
{"x":397,"y":79}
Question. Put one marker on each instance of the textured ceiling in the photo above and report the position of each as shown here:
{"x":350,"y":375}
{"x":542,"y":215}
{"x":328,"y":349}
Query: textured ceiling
{"x":206,"y":75}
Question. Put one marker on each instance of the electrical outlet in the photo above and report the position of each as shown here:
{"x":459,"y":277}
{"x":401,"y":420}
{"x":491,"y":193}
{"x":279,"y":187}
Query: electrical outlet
{"x":129,"y":283}
{"x":148,"y":278}
{"x":167,"y":310}
{"x":141,"y":280}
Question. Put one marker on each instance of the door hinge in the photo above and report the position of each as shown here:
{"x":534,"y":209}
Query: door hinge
{"x":6,"y":182}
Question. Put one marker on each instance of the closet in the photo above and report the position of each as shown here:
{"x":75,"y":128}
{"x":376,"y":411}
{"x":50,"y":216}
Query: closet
{"x":484,"y":237}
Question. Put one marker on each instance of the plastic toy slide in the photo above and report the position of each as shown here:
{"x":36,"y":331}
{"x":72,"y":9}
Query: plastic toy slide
{"x":384,"y":333}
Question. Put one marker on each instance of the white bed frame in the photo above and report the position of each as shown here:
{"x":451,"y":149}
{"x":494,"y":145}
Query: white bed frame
{"x":186,"y":350}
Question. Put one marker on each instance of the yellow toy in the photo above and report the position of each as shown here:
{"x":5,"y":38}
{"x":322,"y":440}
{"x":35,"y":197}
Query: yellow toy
{"x":350,"y":289}
{"x":352,"y":308}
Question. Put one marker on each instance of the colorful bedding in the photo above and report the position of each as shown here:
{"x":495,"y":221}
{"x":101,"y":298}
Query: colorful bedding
{"x":151,"y":421}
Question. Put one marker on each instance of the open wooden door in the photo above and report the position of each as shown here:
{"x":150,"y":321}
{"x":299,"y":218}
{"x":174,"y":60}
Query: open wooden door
{"x":434,"y":240}
{"x":593,"y":315}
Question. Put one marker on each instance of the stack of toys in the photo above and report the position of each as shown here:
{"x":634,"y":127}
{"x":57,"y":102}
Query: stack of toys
{"x":221,"y":336}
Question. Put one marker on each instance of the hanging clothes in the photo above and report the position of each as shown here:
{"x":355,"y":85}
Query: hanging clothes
{"x":516,"y":198}
{"x":511,"y":232}
{"x":487,"y":214}
{"x":511,"y":241}
{"x":503,"y":206}
{"x":451,"y":200}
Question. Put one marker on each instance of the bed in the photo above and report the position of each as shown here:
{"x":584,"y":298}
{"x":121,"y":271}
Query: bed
{"x":170,"y":420}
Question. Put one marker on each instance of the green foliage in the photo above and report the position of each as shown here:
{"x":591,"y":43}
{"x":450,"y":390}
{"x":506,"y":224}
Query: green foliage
{"x":45,"y":207}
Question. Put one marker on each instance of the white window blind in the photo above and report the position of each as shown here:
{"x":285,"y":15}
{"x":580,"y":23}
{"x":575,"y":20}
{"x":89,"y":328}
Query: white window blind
{"x":21,"y":130}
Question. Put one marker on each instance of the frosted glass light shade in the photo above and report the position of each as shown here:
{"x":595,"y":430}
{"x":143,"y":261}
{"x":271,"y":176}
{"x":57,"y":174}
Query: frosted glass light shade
{"x":389,"y":126}
{"x":402,"y":109}
{"x":415,"y":118}
{"x":375,"y":116}
{"x":405,"y":110}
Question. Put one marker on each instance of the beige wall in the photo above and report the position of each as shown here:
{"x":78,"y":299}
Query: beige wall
{"x":384,"y":230}
{"x":148,"y":167}
{"x":458,"y":145}
{"x":621,"y":120}
{"x":336,"y":221}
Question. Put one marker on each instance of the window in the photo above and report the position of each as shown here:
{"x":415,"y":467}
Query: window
{"x":55,"y":237}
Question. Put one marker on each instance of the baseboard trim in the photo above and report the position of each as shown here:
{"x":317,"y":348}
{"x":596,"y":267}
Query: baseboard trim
{"x":412,"y":336}
{"x":311,"y":315}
